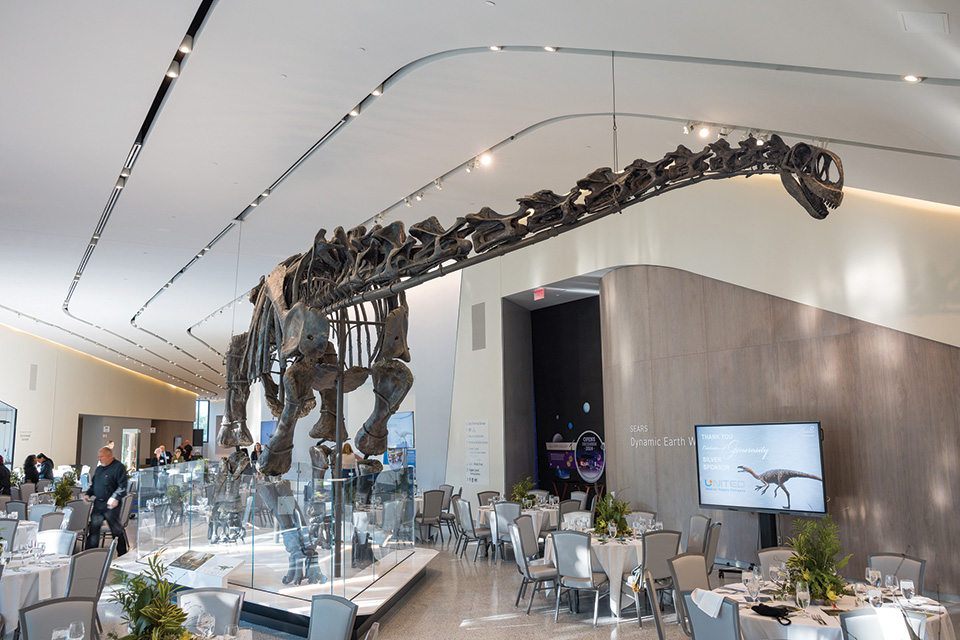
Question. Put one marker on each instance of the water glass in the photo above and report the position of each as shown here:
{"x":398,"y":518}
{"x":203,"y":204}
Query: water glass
{"x":860,"y":592}
{"x":753,"y":589}
{"x":76,"y":631}
{"x":803,"y":595}
{"x":907,"y":589}
{"x":60,"y":634}
{"x":230,"y":632}
{"x":874,"y":577}
{"x":891,"y":582}
{"x":205,"y":625}
{"x":875,"y":597}
{"x":612,"y":529}
{"x":774,"y":574}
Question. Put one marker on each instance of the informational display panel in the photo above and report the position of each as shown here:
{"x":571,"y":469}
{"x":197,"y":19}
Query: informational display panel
{"x":761,"y":467}
{"x":478,"y":452}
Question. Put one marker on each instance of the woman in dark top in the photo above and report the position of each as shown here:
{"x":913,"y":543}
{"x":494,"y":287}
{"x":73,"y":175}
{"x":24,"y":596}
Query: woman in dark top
{"x":255,"y":454}
{"x":30,"y":473}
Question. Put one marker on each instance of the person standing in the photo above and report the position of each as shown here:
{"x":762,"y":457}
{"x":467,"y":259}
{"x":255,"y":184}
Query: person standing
{"x":4,"y":478}
{"x":46,"y":467}
{"x":107,"y":490}
{"x":30,"y":473}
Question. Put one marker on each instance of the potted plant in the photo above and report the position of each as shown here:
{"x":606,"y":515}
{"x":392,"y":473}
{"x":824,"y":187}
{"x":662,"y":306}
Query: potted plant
{"x":148,"y":606}
{"x":62,"y":493}
{"x":814,"y":560}
{"x":521,"y":491}
{"x":612,"y":510}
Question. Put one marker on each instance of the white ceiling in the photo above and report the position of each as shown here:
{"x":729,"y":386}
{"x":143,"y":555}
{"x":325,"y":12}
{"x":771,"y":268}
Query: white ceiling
{"x":268,"y":80}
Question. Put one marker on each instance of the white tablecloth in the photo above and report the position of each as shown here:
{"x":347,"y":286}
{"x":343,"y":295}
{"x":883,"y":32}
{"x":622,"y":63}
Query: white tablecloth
{"x":756,"y":627}
{"x":540,"y":517}
{"x":25,"y":584}
{"x":616,"y":558}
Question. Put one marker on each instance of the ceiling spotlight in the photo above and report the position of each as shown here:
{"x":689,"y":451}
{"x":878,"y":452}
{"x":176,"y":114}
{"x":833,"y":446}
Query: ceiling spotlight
{"x":407,"y":202}
{"x":420,"y":196}
{"x":703,"y":131}
{"x":550,"y":49}
{"x":761,"y":139}
{"x":469,"y":167}
{"x":377,"y":92}
{"x":355,"y":111}
{"x":265,"y":193}
{"x":912,"y":78}
{"x":121,"y":183}
{"x":187,"y":45}
{"x":255,"y":202}
{"x":725,"y":131}
{"x":496,"y":48}
{"x":173,"y":70}
{"x":125,"y":172}
{"x":486,"y":159}
{"x":438,"y":185}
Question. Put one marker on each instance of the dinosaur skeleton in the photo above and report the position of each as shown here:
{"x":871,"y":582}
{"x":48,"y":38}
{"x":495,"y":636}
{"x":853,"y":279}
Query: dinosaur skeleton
{"x":777,"y":477}
{"x":361,"y":275}
{"x":328,"y":319}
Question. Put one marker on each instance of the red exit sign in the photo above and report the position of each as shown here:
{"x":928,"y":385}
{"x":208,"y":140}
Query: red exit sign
{"x":538,"y":294}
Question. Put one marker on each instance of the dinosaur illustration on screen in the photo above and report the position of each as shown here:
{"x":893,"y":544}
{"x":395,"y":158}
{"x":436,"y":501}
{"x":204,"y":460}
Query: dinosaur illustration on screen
{"x":778,"y":477}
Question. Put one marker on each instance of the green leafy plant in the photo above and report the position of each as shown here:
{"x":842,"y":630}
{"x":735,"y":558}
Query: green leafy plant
{"x":521,"y":490}
{"x":176,"y":494}
{"x":814,"y":560}
{"x":148,"y":606}
{"x":16,"y":477}
{"x":61,"y":489}
{"x":610,"y":509}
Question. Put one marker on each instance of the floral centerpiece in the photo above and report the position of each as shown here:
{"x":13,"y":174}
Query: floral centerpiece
{"x":814,"y":560}
{"x":146,"y":599}
{"x":62,"y":493}
{"x":521,"y":492}
{"x":610,"y":509}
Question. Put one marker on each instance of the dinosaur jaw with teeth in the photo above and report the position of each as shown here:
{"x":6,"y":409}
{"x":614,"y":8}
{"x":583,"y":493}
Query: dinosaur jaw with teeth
{"x":806,"y":175}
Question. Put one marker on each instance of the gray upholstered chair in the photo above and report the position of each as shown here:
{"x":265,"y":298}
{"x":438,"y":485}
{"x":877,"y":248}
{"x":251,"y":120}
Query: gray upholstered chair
{"x":334,"y":618}
{"x":484,"y":497}
{"x":223,"y":604}
{"x":726,"y":626}
{"x":126,"y":506}
{"x":658,"y":547}
{"x":430,"y":517}
{"x":540,"y":494}
{"x":504,"y":514}
{"x":18,"y":507}
{"x":574,"y":562}
{"x":50,"y":521}
{"x":651,"y":589}
{"x":567,"y":506}
{"x":58,"y":541}
{"x":43,"y":484}
{"x":88,"y":573}
{"x":531,"y":543}
{"x":8,"y":531}
{"x":79,"y":517}
{"x":38,"y":621}
{"x":881,"y":624}
{"x":903,"y":566}
{"x":580,"y":496}
{"x":772,"y":557}
{"x":446,"y":517}
{"x":535,"y":573}
{"x":689,"y":572}
{"x":697,"y":534}
{"x":713,"y":541}
{"x":471,"y":533}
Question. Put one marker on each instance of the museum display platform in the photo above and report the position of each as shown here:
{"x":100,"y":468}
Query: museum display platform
{"x":282,"y":540}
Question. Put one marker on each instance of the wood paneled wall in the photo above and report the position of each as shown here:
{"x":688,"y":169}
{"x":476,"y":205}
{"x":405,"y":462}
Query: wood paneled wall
{"x":680,"y":349}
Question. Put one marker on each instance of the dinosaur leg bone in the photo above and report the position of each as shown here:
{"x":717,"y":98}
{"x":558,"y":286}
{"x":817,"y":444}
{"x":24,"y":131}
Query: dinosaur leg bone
{"x":298,"y":402}
{"x":391,"y":382}
{"x":233,"y":430}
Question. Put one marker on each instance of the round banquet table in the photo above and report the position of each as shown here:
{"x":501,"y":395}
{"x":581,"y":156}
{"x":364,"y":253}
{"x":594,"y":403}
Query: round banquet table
{"x":23,"y":584}
{"x":616,"y":557}
{"x":804,"y":627}
{"x":545,"y":516}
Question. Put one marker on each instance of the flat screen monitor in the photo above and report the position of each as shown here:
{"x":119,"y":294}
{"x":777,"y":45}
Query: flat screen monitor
{"x":767,"y":468}
{"x":400,"y":431}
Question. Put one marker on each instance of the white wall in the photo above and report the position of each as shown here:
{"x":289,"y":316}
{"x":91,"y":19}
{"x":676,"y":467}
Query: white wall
{"x":70,"y":384}
{"x":887,"y":260}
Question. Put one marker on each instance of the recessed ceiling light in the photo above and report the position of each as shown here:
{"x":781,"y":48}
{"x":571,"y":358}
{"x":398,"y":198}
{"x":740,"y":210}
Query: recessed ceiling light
{"x":378,"y":91}
{"x":703,"y":131}
{"x":355,"y":111}
{"x":911,"y":78}
{"x":486,"y":159}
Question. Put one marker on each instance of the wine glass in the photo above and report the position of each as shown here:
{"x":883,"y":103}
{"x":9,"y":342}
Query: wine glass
{"x":803,"y":595}
{"x":612,"y":529}
{"x":59,"y":634}
{"x":874,"y":577}
{"x":230,"y":632}
{"x":775,"y":575}
{"x":753,"y":589}
{"x":36,"y":550}
{"x":891,"y":582}
{"x":860,"y":591}
{"x":205,"y":625}
{"x":76,"y":631}
{"x":907,"y":589}
{"x":875,"y":597}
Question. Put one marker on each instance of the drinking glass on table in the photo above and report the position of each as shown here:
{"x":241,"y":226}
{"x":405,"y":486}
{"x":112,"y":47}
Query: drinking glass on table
{"x":874,"y":577}
{"x":60,"y":634}
{"x":803,"y":595}
{"x":753,"y":589}
{"x":612,"y":529}
{"x":860,"y":592}
{"x":907,"y":589}
{"x":230,"y":632}
{"x":775,"y":575}
{"x":205,"y":625}
{"x":76,"y":631}
{"x":875,"y":596}
{"x":891,"y":582}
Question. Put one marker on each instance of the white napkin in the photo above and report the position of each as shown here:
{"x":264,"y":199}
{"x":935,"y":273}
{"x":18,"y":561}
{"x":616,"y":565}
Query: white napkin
{"x":708,"y":601}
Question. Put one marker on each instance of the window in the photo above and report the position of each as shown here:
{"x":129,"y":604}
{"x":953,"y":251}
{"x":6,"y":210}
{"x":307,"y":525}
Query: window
{"x":203,"y":418}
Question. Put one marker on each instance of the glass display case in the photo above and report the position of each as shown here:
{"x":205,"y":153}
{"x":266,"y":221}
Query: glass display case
{"x":330,"y":536}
